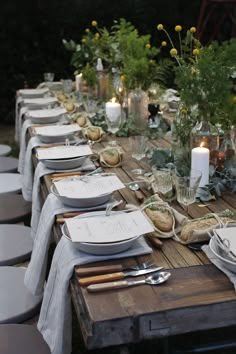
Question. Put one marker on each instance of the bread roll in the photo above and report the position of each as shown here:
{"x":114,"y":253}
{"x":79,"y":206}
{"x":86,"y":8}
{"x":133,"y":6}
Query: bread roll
{"x":162,"y":219}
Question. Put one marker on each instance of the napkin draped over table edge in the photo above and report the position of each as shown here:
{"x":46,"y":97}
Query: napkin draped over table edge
{"x":55,"y":315}
{"x":42,"y":170}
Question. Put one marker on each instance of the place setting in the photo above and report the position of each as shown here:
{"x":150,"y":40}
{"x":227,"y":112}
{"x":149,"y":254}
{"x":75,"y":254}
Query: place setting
{"x":221,"y":250}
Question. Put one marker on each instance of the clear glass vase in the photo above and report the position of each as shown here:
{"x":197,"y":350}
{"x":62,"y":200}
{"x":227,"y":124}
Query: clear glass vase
{"x":138,"y":107}
{"x":205,"y":134}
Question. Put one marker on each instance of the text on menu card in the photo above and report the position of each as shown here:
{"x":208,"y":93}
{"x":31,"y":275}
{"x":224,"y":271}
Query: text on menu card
{"x":113,"y":228}
{"x":92,"y":186}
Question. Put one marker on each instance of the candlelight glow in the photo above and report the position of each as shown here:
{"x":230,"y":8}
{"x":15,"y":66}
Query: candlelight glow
{"x":202,"y":144}
{"x":113,"y":100}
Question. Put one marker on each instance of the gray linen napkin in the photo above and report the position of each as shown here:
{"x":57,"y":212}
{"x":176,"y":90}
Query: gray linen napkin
{"x":27,"y":186}
{"x":55,"y":315}
{"x":17,"y":118}
{"x":42,"y":170}
{"x":21,"y":163}
{"x":232,"y":276}
{"x":35,"y":273}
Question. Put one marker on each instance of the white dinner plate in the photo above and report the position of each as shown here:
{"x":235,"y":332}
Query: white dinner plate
{"x":33,"y":93}
{"x":100,"y":249}
{"x":46,"y":116}
{"x":65,"y":164}
{"x":82,"y":202}
{"x":230,"y":265}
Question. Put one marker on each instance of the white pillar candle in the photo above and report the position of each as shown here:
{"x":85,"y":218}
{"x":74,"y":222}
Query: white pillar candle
{"x":200,"y":162}
{"x":113,"y":110}
{"x":78,"y":79}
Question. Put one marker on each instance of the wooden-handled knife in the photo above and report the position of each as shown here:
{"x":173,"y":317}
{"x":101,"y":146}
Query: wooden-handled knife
{"x":116,"y":276}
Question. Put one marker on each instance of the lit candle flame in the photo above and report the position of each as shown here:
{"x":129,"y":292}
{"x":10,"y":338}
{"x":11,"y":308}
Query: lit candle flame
{"x":113,"y":100}
{"x":202,"y":145}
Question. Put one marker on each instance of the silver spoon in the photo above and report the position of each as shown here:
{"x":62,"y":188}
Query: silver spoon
{"x":135,"y":188}
{"x":154,"y":279}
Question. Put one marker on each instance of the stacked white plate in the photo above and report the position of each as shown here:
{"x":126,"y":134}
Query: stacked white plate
{"x":46,"y":116}
{"x":33,"y":93}
{"x":77,"y":202}
{"x":86,"y":191}
{"x":225,"y":251}
{"x":38,"y":103}
{"x":64,"y":157}
{"x":106,"y":248}
{"x":57,"y":133}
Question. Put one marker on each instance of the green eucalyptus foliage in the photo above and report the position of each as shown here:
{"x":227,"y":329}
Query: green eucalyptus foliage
{"x":205,"y":83}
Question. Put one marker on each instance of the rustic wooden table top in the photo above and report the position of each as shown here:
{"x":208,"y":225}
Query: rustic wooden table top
{"x":197,"y":296}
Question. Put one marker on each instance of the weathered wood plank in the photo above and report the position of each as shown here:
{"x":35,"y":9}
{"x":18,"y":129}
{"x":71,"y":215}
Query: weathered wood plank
{"x":186,"y":302}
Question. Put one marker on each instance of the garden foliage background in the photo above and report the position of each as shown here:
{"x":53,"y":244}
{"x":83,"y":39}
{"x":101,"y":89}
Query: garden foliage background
{"x":31,"y":33}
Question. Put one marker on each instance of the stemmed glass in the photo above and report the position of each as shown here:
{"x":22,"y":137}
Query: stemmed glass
{"x":186,"y":188}
{"x":48,"y":77}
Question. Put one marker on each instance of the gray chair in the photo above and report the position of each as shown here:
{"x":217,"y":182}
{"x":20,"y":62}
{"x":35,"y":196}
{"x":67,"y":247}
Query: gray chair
{"x":22,"y":339}
{"x":15,"y":244}
{"x":10,"y":183}
{"x":5,"y":150}
{"x":8,"y":164}
{"x":14,"y":209}
{"x":17,"y":304}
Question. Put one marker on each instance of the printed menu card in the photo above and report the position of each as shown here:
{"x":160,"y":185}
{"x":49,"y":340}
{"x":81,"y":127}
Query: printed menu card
{"x":63,"y":152}
{"x":106,"y":229}
{"x":88,"y":187}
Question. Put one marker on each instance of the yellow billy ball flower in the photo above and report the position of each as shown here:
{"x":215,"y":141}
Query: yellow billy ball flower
{"x":83,"y":40}
{"x":160,"y":27}
{"x":163,"y":43}
{"x":97,"y":35}
{"x":87,"y":30}
{"x":193,"y":29}
{"x":196,"y":52}
{"x":173,"y":52}
{"x":151,"y":61}
{"x":234,"y":99}
{"x":178,"y":28}
{"x":94,"y":23}
{"x":123,"y":77}
{"x":148,"y":46}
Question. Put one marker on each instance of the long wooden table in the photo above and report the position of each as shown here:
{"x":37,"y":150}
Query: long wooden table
{"x":197,"y":296}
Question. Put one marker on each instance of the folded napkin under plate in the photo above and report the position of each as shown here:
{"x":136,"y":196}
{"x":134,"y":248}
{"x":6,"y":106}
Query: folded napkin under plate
{"x":35,"y":273}
{"x":55,"y":315}
{"x":42,"y":170}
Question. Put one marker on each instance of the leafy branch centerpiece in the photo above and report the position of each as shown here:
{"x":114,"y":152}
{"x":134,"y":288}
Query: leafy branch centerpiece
{"x":129,"y":59}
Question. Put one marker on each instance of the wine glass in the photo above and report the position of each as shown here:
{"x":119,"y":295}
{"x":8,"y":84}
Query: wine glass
{"x":48,"y":77}
{"x":186,"y":188}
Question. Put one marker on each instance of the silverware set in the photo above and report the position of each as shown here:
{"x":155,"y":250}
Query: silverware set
{"x":110,"y":277}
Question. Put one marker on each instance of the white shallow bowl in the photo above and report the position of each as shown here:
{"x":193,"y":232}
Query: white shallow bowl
{"x":55,"y":138}
{"x":33,"y":93}
{"x":230,"y":265}
{"x":82,"y":202}
{"x":46,"y":116}
{"x":65,"y":164}
{"x":101,"y":249}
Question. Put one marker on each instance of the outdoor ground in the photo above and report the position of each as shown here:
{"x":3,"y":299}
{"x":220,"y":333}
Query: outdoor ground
{"x":7,"y":137}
